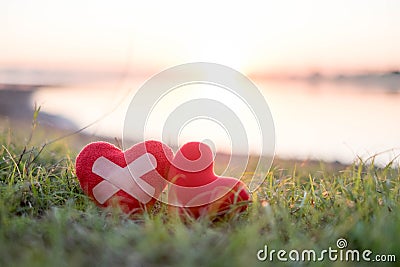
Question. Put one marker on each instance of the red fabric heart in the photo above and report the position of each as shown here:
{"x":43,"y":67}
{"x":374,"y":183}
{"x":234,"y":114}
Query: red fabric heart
{"x":101,"y":167}
{"x":196,"y":189}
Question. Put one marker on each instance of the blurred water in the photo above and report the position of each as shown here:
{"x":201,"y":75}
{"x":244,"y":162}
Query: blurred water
{"x":321,"y":120}
{"x":327,"y":121}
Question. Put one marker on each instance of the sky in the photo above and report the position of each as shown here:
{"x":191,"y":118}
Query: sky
{"x":252,"y":36}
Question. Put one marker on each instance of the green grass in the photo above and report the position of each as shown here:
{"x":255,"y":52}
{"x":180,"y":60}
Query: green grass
{"x":46,"y":220}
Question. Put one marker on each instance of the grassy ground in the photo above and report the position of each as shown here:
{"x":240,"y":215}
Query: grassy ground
{"x":45,"y":220}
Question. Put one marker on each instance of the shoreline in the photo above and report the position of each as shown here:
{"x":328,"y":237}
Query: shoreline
{"x":16,"y":104}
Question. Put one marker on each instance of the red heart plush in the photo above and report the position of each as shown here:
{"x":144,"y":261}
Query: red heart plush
{"x":131,"y":180}
{"x":196,"y":190}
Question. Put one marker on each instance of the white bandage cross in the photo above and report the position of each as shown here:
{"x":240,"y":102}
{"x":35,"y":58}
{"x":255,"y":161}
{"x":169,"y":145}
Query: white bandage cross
{"x":127,"y":179}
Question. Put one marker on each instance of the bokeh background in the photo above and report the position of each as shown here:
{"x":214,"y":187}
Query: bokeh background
{"x":329,"y":70}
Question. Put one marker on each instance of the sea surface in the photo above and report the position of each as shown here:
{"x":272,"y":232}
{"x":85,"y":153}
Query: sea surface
{"x":314,"y":119}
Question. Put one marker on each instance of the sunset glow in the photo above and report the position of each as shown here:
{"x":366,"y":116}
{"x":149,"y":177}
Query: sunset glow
{"x":304,"y":56}
{"x":262,"y":36}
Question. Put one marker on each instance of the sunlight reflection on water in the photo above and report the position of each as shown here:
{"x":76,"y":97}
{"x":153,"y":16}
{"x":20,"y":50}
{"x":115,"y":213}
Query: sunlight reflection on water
{"x":312,"y":120}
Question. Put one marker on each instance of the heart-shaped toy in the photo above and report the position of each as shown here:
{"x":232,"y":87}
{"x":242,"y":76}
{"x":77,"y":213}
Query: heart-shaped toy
{"x":196,"y":190}
{"x":131,"y":180}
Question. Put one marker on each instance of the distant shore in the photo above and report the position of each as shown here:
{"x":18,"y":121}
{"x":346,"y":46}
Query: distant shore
{"x":16,"y":104}
{"x":389,"y":80}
